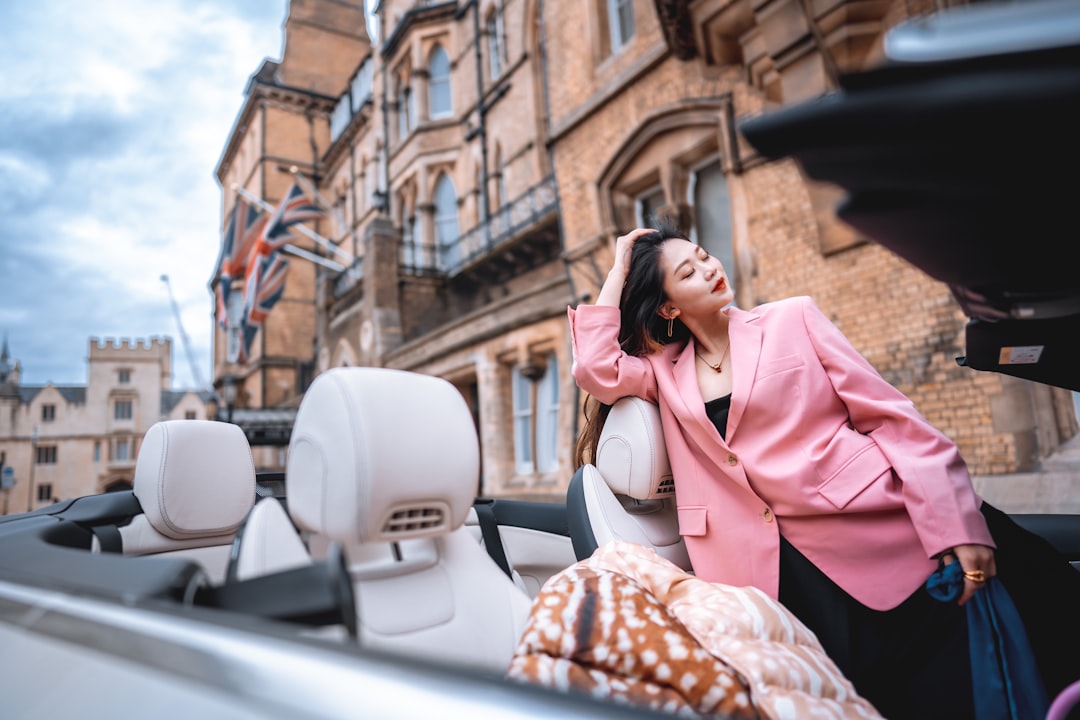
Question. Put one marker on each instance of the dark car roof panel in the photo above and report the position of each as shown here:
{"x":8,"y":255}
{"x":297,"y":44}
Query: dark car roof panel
{"x":964,"y":167}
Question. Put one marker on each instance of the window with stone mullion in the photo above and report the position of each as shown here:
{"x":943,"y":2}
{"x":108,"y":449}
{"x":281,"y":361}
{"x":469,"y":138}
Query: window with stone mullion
{"x":440,"y":102}
{"x":496,"y":45}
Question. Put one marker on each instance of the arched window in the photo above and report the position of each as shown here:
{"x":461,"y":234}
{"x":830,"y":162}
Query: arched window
{"x":411,"y":257}
{"x":446,"y":221}
{"x":496,"y":42}
{"x":404,"y":107}
{"x":439,"y":83}
{"x":673,"y":165}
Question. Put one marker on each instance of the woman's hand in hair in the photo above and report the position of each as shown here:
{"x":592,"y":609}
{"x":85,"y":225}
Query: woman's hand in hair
{"x":624,"y":247}
{"x":620,"y":267}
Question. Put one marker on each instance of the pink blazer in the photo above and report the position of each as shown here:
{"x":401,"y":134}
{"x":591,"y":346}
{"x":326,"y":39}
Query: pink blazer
{"x":819,"y":447}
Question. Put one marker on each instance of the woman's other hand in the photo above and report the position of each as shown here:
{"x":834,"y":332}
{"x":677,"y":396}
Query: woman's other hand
{"x":978,"y":564}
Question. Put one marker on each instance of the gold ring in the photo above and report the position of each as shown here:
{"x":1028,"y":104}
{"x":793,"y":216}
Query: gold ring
{"x":977,"y":576}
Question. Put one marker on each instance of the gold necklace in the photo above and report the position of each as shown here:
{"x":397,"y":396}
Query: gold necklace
{"x":718,"y":367}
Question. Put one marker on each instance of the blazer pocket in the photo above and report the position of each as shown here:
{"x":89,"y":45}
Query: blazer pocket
{"x":857,"y":474}
{"x":779,"y":365}
{"x":692,"y":520}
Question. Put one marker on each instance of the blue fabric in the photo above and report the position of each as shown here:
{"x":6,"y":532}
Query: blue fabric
{"x":1005,"y":681}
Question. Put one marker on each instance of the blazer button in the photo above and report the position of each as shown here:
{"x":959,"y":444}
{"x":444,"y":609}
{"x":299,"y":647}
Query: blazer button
{"x":732,"y":460}
{"x":767,"y":515}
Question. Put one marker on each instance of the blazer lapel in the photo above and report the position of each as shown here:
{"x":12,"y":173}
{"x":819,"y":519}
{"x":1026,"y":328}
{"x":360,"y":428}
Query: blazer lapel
{"x":745,"y":338}
{"x":693,"y":405}
{"x":697,"y":427}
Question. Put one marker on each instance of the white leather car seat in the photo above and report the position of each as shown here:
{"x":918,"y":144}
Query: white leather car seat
{"x":267,"y":543}
{"x":195,"y":482}
{"x":386,"y":463}
{"x":627,"y":493}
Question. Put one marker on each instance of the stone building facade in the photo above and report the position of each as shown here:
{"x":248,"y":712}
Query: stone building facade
{"x":64,"y":441}
{"x":478,"y":160}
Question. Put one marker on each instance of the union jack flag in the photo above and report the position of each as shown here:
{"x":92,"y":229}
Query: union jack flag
{"x":267,"y":266}
{"x":295,"y":207}
{"x":264,"y":286}
{"x":242,"y":232}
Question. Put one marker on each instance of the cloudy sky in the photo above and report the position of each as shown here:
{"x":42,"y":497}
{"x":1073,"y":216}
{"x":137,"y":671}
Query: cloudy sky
{"x":113,"y":116}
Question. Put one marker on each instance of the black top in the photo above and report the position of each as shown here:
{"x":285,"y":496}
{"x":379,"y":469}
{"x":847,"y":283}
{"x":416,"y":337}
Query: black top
{"x":717,"y":409}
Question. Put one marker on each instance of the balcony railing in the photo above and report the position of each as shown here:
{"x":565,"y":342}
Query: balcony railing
{"x":505,"y":224}
{"x":358,"y":93}
{"x":348,"y":278}
{"x":509,"y":222}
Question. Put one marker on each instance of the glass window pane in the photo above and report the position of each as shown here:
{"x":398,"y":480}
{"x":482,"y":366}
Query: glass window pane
{"x":523,"y":443}
{"x":521,"y":394}
{"x":626,"y":20}
{"x":547,"y":418}
{"x":712,"y":211}
{"x":439,"y":98}
{"x":522,"y":400}
{"x":646,"y":206}
{"x":234,"y":313}
{"x":403,"y":112}
{"x":620,"y":22}
{"x":446,"y":222}
{"x":494,"y":49}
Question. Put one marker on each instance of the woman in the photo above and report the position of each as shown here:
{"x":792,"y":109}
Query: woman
{"x":799,"y":470}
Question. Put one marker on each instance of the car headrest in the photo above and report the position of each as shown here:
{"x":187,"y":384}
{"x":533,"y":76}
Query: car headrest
{"x":381,"y":455}
{"x":195,"y":478}
{"x":631,"y":455}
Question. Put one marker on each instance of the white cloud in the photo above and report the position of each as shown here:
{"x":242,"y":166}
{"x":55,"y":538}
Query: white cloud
{"x":17,"y":173}
{"x":113,"y":116}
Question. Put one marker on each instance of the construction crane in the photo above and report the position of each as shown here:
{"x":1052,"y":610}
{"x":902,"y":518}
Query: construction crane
{"x":195,"y":374}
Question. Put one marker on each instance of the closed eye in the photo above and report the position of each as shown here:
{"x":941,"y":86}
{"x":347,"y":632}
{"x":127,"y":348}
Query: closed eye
{"x":703,"y":256}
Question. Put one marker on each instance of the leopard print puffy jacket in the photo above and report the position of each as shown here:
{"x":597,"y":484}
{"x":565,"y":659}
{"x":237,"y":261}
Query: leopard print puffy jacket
{"x":628,"y":626}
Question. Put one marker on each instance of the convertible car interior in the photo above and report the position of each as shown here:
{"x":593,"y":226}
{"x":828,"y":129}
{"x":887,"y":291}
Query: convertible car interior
{"x":370,"y":580}
{"x":385,"y":463}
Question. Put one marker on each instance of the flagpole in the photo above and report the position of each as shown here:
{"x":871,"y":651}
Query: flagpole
{"x":312,"y":190}
{"x":302,"y":228}
{"x":300,"y":252}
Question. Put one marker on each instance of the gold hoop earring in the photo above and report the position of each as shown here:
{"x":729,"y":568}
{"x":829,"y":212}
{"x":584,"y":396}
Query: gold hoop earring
{"x":670,"y":326}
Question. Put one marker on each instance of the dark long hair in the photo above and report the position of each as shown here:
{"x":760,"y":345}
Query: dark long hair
{"x":641,"y":329}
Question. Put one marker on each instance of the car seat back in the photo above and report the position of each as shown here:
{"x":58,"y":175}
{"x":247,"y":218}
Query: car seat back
{"x":386,"y":463}
{"x":627,"y":493}
{"x":195,"y":482}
